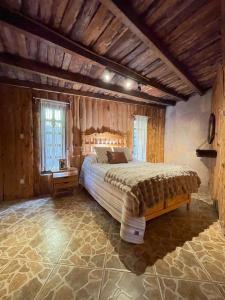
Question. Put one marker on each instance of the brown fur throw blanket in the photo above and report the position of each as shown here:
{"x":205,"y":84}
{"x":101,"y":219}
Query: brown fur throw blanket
{"x":146,"y":184}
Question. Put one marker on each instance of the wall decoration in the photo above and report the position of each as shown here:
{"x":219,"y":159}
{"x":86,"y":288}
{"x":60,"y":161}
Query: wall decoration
{"x":211,"y":128}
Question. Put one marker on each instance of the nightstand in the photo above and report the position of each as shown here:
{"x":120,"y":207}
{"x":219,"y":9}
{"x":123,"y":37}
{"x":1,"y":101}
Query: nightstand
{"x":64,"y":181}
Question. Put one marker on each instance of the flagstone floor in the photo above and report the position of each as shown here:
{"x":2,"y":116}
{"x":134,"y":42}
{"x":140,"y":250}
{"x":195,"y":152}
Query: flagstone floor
{"x":70,"y":248}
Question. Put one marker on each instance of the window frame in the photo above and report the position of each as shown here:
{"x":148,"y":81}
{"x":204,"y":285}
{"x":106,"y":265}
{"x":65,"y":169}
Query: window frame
{"x":146,"y":118}
{"x":64,"y":106}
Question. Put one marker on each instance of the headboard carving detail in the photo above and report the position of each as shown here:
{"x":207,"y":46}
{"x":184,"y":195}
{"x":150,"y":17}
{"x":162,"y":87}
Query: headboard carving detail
{"x":105,"y":139}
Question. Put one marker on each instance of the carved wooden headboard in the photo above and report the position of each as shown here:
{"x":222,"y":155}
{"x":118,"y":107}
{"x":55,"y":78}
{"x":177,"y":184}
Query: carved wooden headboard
{"x":89,"y":141}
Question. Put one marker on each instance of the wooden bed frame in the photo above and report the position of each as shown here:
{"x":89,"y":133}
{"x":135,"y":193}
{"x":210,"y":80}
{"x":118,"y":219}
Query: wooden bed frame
{"x":168,"y":205}
{"x":108,"y":139}
{"x":105,"y":139}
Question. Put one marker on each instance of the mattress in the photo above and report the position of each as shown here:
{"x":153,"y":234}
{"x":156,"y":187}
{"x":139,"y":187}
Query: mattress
{"x":92,"y":178}
{"x":116,"y":201}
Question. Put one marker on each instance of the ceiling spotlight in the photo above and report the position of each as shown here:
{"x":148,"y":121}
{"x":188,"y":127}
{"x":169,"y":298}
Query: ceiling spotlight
{"x":128,"y":84}
{"x":107,"y":76}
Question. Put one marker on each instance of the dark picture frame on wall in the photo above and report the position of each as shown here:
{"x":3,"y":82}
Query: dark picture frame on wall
{"x":211,"y":128}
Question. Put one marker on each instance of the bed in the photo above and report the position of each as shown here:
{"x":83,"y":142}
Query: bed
{"x":113,"y":199}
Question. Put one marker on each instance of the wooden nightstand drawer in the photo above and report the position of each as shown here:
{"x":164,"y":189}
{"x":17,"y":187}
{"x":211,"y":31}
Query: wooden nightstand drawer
{"x":64,"y":185}
{"x":65,"y":179}
{"x":62,"y":181}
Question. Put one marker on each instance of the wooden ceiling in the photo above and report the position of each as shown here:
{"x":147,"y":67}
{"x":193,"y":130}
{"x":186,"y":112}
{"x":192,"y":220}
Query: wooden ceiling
{"x":170,"y":48}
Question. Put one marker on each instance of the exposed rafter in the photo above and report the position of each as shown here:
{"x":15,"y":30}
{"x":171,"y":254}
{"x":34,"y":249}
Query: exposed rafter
{"x":123,"y":11}
{"x":43,"y":69}
{"x":68,"y":91}
{"x":30,"y":26}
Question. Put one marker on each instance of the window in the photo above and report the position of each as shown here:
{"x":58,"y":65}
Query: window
{"x":140,"y":137}
{"x":53,"y":134}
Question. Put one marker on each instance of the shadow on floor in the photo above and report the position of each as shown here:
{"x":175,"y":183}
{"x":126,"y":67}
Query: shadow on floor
{"x":163,"y":235}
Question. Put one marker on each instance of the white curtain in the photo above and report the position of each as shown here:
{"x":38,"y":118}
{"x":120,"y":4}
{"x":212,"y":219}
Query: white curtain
{"x":140,"y":137}
{"x":53,"y":135}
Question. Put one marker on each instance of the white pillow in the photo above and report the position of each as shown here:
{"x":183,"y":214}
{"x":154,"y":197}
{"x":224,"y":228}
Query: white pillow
{"x":91,"y":158}
{"x":126,"y":151}
{"x":102,"y":154}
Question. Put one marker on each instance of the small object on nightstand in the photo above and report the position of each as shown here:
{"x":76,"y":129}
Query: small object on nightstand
{"x":62,"y":164}
{"x":64,"y":181}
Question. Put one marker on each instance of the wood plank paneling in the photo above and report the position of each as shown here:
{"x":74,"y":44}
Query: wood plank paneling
{"x":90,"y":115}
{"x":21,"y":155}
{"x":44,"y":32}
{"x":16,"y":140}
{"x":43,"y":69}
{"x":1,"y":153}
{"x":128,"y":16}
{"x":189,"y":31}
{"x":217,"y":181}
{"x":118,"y":117}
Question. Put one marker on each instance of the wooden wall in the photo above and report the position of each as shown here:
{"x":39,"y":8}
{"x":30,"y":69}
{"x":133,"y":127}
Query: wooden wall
{"x":118,"y":117}
{"x":16,"y":131}
{"x":20,"y":158}
{"x":218,"y":107}
{"x":218,"y":171}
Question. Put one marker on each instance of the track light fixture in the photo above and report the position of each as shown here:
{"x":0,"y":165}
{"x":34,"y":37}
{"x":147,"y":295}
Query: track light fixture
{"x":139,"y":87}
{"x":128,"y":84}
{"x":107,"y":76}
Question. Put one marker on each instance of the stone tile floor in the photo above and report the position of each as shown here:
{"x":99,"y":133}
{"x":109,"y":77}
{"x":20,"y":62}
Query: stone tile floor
{"x":69,"y":248}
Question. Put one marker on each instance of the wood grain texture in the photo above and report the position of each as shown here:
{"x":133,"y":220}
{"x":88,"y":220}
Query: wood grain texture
{"x":103,"y":139}
{"x":1,"y":154}
{"x":123,"y":11}
{"x":70,"y":15}
{"x":223,"y":30}
{"x":33,"y":28}
{"x":168,"y":205}
{"x":69,"y":91}
{"x":105,"y":116}
{"x":217,"y":181}
{"x":190,"y":31}
{"x":20,"y":114}
{"x":17,"y":146}
{"x":87,"y":12}
{"x":74,"y":77}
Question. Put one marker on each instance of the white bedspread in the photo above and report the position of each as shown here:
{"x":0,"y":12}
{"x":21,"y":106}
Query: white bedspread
{"x":114,"y":200}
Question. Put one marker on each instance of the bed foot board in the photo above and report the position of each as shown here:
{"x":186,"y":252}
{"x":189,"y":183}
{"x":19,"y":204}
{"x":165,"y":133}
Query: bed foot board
{"x":162,"y":208}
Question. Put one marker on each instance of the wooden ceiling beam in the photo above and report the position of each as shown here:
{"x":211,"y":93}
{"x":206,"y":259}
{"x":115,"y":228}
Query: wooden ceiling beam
{"x":31,"y":26}
{"x":68,"y":91}
{"x":122,"y":10}
{"x":53,"y":72}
